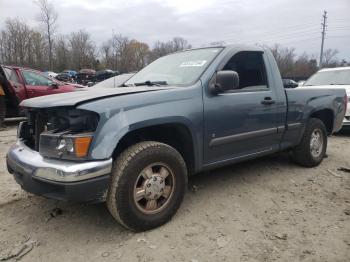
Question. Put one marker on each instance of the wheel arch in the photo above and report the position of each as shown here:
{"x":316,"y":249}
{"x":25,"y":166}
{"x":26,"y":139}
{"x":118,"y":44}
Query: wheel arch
{"x":175,"y":134}
{"x":326,"y":115}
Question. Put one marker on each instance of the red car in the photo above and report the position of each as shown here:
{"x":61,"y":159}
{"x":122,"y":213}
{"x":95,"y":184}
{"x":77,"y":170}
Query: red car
{"x":23,"y":83}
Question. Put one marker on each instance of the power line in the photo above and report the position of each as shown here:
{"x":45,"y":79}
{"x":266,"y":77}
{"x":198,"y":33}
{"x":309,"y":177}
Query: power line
{"x":324,"y":17}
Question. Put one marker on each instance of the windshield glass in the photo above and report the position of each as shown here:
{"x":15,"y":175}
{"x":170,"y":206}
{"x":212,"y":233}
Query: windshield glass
{"x":334,"y":77}
{"x":178,"y":69}
{"x":115,"y":81}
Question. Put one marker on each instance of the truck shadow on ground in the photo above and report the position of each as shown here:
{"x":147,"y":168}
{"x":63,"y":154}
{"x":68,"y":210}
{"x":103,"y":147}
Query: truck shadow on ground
{"x":343,"y":133}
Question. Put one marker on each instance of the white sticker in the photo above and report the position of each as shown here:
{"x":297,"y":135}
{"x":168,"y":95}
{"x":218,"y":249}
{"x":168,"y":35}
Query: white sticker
{"x":193,"y":63}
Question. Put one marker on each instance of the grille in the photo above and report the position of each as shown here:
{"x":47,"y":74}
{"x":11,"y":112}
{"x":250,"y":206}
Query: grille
{"x":36,"y":122}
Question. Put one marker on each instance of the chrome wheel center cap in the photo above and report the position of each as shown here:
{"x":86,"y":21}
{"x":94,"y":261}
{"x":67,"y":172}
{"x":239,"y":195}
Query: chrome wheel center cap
{"x":154,"y":187}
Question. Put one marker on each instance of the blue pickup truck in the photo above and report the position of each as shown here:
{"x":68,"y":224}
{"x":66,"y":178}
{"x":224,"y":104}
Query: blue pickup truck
{"x":134,"y":146}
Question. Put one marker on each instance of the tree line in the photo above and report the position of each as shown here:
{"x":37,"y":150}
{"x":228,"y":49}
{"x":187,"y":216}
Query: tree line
{"x":45,"y":49}
{"x":301,"y":67}
{"x":24,"y":46}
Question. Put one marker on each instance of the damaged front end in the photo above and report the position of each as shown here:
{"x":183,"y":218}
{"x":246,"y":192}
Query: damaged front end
{"x":63,"y":133}
{"x":51,"y":155}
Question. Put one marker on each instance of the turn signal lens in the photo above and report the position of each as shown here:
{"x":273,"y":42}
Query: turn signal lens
{"x":81,"y":145}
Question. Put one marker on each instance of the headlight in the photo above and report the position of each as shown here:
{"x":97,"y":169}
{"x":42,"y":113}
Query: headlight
{"x":66,"y":146}
{"x":77,"y":145}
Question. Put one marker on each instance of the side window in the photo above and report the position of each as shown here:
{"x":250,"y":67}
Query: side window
{"x":250,"y":68}
{"x":11,"y":75}
{"x":35,"y":79}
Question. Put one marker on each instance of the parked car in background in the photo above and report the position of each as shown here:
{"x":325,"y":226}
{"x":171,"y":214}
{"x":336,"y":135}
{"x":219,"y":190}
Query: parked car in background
{"x":64,"y":77}
{"x":71,"y":73}
{"x":338,"y":77}
{"x":115,"y":81}
{"x":50,"y":74}
{"x":104,"y":74}
{"x":85,"y":76}
{"x":289,"y":83}
{"x":184,"y":113}
{"x":23,"y":83}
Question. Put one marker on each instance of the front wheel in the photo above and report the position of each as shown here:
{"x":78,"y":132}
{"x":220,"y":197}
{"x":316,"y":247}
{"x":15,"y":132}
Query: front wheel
{"x":149,"y":180}
{"x":312,"y":148}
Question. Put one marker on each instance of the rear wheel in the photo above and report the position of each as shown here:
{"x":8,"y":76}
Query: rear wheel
{"x":312,"y":148}
{"x":149,"y":180}
{"x":2,"y":110}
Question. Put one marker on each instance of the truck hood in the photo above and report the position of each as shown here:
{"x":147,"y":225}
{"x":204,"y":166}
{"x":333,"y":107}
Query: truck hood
{"x":85,"y":95}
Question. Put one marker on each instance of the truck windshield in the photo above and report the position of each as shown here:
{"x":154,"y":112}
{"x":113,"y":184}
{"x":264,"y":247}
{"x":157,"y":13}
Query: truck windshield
{"x":332,"y":77}
{"x":178,"y":69}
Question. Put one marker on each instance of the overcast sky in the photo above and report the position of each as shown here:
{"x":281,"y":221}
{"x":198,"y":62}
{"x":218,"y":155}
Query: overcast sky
{"x":292,"y":23}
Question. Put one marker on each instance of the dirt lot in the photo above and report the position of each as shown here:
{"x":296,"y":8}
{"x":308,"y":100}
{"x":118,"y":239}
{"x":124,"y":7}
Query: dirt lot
{"x":262,"y":210}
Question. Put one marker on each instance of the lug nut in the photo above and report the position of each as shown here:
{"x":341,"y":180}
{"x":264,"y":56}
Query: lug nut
{"x":148,"y":185}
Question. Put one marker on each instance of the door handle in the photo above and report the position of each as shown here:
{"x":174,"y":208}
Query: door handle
{"x":268,"y":101}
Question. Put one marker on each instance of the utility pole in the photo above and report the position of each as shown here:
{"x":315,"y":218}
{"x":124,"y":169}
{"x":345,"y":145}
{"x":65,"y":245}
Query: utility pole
{"x":323,"y":24}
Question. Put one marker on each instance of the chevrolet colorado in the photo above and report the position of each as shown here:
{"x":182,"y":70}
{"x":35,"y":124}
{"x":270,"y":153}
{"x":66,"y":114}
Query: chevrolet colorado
{"x":134,"y":146}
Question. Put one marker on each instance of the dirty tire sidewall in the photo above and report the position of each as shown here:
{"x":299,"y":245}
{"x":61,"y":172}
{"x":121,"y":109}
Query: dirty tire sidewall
{"x":302,"y":153}
{"x":125,"y":171}
{"x":2,"y":110}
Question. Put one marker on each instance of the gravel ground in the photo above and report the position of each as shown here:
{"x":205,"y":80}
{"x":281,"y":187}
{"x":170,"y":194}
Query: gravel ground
{"x":263,"y":210}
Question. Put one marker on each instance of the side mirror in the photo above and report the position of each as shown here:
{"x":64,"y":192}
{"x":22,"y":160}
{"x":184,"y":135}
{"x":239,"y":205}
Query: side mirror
{"x":226,"y":81}
{"x":54,"y":85}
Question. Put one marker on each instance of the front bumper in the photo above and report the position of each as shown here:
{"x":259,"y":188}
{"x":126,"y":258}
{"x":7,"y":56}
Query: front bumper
{"x":70,"y":181}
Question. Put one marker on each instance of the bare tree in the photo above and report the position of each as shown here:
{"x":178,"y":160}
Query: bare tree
{"x":285,"y":59}
{"x":48,"y":16}
{"x":304,"y":66}
{"x":82,"y":50}
{"x":330,"y":58}
{"x":21,"y":45}
{"x":163,"y":48}
{"x":61,"y":54}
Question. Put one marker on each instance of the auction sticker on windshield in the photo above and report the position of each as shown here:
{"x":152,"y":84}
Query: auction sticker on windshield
{"x":193,"y":63}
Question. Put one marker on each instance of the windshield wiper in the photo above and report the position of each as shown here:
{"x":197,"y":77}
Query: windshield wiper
{"x":151,"y":83}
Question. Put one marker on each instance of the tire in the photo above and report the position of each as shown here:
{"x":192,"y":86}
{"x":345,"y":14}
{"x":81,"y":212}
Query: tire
{"x":306,"y":155}
{"x":2,"y":110}
{"x":141,"y":168}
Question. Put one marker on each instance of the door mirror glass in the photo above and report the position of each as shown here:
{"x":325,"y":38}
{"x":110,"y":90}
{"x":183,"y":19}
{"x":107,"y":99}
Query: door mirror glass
{"x":225,"y":81}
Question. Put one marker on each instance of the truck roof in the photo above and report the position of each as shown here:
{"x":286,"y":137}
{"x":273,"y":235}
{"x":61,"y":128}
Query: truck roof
{"x":237,"y":47}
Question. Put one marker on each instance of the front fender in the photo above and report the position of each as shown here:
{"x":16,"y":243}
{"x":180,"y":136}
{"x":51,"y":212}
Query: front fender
{"x":118,"y":126}
{"x":121,"y":115}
